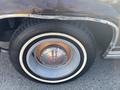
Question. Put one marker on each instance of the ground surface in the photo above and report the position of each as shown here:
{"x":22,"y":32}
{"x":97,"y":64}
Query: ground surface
{"x":104,"y":75}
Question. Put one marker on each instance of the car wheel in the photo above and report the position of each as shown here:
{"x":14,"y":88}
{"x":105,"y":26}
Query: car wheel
{"x":52,"y":52}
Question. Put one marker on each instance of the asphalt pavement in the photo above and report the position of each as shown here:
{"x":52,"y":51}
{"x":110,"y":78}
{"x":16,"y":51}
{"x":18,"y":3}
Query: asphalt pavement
{"x":103,"y":75}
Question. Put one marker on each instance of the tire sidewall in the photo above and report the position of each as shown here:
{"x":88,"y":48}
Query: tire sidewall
{"x":37,"y":29}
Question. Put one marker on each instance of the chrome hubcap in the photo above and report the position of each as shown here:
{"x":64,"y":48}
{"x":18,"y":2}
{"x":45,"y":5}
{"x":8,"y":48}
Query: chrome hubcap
{"x":53,"y":54}
{"x":53,"y":58}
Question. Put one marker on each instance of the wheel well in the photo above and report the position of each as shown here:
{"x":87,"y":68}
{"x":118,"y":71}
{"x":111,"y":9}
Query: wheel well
{"x":103,"y":33}
{"x":7,"y":27}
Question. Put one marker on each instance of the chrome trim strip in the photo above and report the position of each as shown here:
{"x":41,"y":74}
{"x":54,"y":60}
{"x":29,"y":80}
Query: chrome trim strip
{"x":60,"y":17}
{"x":112,"y":56}
{"x":114,"y":53}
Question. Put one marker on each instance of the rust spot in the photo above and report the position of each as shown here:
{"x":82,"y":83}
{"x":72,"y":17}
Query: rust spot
{"x":30,"y":11}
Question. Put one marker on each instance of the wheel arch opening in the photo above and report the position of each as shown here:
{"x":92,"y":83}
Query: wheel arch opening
{"x":103,"y":33}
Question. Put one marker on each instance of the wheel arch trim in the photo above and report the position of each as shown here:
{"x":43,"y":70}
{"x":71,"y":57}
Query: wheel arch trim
{"x":115,"y":28}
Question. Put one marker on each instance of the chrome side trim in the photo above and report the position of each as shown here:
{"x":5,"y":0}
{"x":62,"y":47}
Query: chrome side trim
{"x":114,"y":52}
{"x":113,"y":55}
{"x":110,"y":56}
{"x":114,"y":40}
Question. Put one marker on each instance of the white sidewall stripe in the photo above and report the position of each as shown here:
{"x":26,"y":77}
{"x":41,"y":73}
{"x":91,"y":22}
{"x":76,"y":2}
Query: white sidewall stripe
{"x":51,"y":34}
